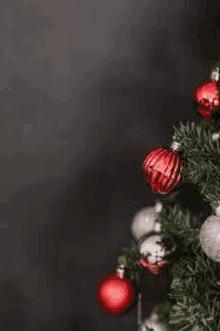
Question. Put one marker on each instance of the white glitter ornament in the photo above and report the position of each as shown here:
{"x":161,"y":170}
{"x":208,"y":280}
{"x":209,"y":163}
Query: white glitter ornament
{"x":145,"y":221}
{"x":210,"y":237}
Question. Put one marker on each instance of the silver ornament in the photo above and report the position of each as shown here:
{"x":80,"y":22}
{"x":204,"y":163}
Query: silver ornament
{"x":152,"y":247}
{"x":209,"y":237}
{"x":145,"y":220}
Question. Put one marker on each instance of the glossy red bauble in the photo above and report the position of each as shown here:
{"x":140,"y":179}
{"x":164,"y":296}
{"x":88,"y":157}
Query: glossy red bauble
{"x":114,"y":294}
{"x":161,"y":168}
{"x":206,"y":94}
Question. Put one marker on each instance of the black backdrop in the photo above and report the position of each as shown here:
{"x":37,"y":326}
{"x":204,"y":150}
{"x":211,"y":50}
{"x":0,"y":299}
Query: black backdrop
{"x":85,"y":87}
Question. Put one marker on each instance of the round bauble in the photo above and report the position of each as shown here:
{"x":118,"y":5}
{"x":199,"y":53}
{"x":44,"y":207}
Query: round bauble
{"x":206,"y":93}
{"x":114,"y":294}
{"x":209,"y":237}
{"x":143,"y":222}
{"x":152,"y":248}
{"x":154,"y":251}
{"x":161,"y":169}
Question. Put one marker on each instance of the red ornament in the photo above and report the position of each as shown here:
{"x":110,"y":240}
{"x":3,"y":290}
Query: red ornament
{"x":206,"y":114}
{"x":114,"y":294}
{"x":206,"y":94}
{"x":161,"y":169}
{"x":152,"y":268}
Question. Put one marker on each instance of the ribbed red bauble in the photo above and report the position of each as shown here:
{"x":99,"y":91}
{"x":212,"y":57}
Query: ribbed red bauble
{"x":114,"y":294}
{"x":161,"y":168}
{"x":206,"y":94}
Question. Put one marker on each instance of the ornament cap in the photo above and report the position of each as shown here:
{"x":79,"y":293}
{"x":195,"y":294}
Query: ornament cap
{"x":120,"y":271}
{"x":215,"y":74}
{"x":158,"y":207}
{"x":175,"y":146}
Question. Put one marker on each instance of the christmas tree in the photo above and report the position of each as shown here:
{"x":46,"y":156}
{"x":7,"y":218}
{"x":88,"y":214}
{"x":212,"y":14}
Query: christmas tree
{"x":168,"y":237}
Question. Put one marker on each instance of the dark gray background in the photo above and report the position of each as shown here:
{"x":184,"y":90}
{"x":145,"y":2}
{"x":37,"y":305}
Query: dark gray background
{"x":85,"y":87}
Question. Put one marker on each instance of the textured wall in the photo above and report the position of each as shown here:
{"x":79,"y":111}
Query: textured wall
{"x":85,"y":87}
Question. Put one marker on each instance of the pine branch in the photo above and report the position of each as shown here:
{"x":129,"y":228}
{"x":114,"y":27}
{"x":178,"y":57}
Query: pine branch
{"x":195,"y":284}
{"x":201,"y":157}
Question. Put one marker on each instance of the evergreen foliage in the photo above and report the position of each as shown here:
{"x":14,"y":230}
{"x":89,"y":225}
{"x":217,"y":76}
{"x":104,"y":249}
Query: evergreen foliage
{"x":193,"y":293}
{"x":195,"y":286}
